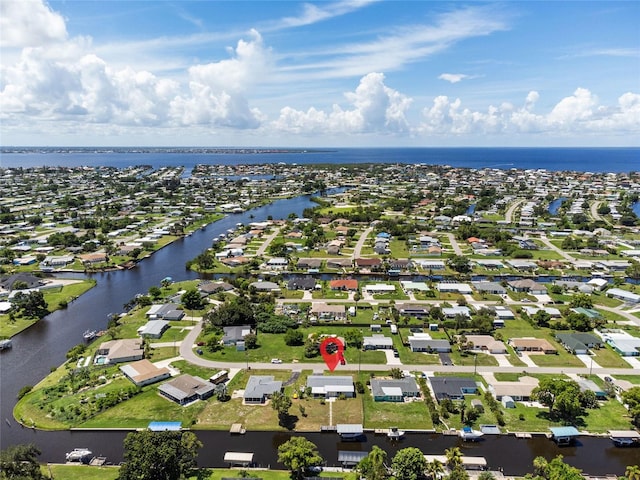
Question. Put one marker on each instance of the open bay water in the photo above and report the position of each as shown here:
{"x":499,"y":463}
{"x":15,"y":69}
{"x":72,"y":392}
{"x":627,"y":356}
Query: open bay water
{"x":597,"y":160}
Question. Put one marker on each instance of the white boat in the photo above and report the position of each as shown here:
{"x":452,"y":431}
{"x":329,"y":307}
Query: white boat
{"x":394,"y":434}
{"x":5,"y":344}
{"x":89,"y":335}
{"x":469,"y":435}
{"x":78,"y":454}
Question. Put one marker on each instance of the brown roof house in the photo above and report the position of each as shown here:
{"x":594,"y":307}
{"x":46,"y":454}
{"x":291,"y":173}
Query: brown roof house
{"x":325,"y":311}
{"x":118,"y":351}
{"x":530,"y":344}
{"x":143,"y":372}
{"x":186,"y":389}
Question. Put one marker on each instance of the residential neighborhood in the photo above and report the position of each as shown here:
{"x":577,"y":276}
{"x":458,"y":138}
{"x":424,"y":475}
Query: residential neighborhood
{"x":459,"y":317}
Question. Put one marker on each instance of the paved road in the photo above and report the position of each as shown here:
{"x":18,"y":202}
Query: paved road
{"x":267,"y":241}
{"x":561,"y":252}
{"x":187,"y":352}
{"x":594,"y":212}
{"x":512,"y":208}
{"x":363,"y":238}
{"x":454,"y":244}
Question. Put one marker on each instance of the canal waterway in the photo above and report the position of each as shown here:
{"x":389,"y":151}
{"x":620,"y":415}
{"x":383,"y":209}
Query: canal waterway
{"x":555,"y":205}
{"x":45,"y":344}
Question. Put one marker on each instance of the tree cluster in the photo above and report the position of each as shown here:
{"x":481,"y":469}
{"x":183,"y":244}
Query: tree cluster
{"x":159,"y":455}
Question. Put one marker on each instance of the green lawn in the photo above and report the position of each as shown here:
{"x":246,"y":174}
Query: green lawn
{"x":80,"y":472}
{"x":54,"y":298}
{"x":144,"y":408}
{"x":606,"y":357}
{"x":610,"y":416}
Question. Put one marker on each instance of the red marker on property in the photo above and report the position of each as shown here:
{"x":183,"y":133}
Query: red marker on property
{"x":331,"y":350}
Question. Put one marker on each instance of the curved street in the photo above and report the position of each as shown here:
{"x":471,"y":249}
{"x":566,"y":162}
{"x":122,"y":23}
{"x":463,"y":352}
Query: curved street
{"x":187,"y":353}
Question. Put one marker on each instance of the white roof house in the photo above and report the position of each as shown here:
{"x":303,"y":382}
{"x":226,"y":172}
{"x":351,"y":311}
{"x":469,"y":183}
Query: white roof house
{"x":623,"y":295}
{"x":462,"y":288}
{"x":331,"y":385}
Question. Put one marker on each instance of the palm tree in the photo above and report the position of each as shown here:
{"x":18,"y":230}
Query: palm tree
{"x":454,"y":457}
{"x":632,"y":472}
{"x":435,"y":469}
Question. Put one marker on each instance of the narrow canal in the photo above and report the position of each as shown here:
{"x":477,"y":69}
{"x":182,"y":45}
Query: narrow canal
{"x":44,"y":345}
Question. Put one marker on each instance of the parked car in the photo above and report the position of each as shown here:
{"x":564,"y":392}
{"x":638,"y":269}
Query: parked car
{"x":276,"y":360}
{"x":199,"y":351}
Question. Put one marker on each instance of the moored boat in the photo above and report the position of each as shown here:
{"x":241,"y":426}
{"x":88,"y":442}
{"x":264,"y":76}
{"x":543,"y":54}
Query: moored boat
{"x":470,"y":435}
{"x":89,"y":335}
{"x":4,"y":344}
{"x":78,"y":455}
{"x":394,"y":434}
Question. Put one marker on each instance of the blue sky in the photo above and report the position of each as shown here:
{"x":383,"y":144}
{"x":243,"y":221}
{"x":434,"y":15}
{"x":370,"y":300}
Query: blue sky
{"x":343,"y":73}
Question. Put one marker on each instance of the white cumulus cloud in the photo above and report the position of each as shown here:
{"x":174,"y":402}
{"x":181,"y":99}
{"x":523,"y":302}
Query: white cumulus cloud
{"x":29,"y":23}
{"x":375,"y":107}
{"x":453,"y":77}
{"x":576,"y":114}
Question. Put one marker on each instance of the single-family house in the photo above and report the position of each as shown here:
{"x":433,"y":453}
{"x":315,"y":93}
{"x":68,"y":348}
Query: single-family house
{"x":412,"y":310}
{"x":452,"y":312}
{"x":166,"y":311}
{"x":622,"y":342}
{"x":234,"y":334}
{"x":214,"y":287}
{"x":143,"y":372}
{"x":329,"y":386}
{"x":186,"y":389}
{"x":493,"y":288}
{"x":490,"y":264}
{"x":453,"y":287}
{"x":344,"y":284}
{"x":394,"y":390}
{"x":579,"y":343}
{"x":453,"y":388}
{"x":518,"y":391}
{"x":486,"y":343}
{"x":118,"y":351}
{"x":264,"y":286}
{"x":307,"y":263}
{"x":368,"y":263}
{"x":623,"y":295}
{"x":339,"y":263}
{"x":91,"y":258}
{"x":427,"y":264}
{"x":259,"y":388}
{"x":377,"y":342}
{"x":422,"y":342}
{"x":530,"y":344}
{"x":522,"y":265}
{"x":324,"y":311}
{"x":528,"y":286}
{"x":23,"y":278}
{"x":153,"y":329}
{"x":589,"y":385}
{"x":410,"y":286}
{"x":277,"y":263}
{"x":302,"y":283}
{"x":379,"y":288}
